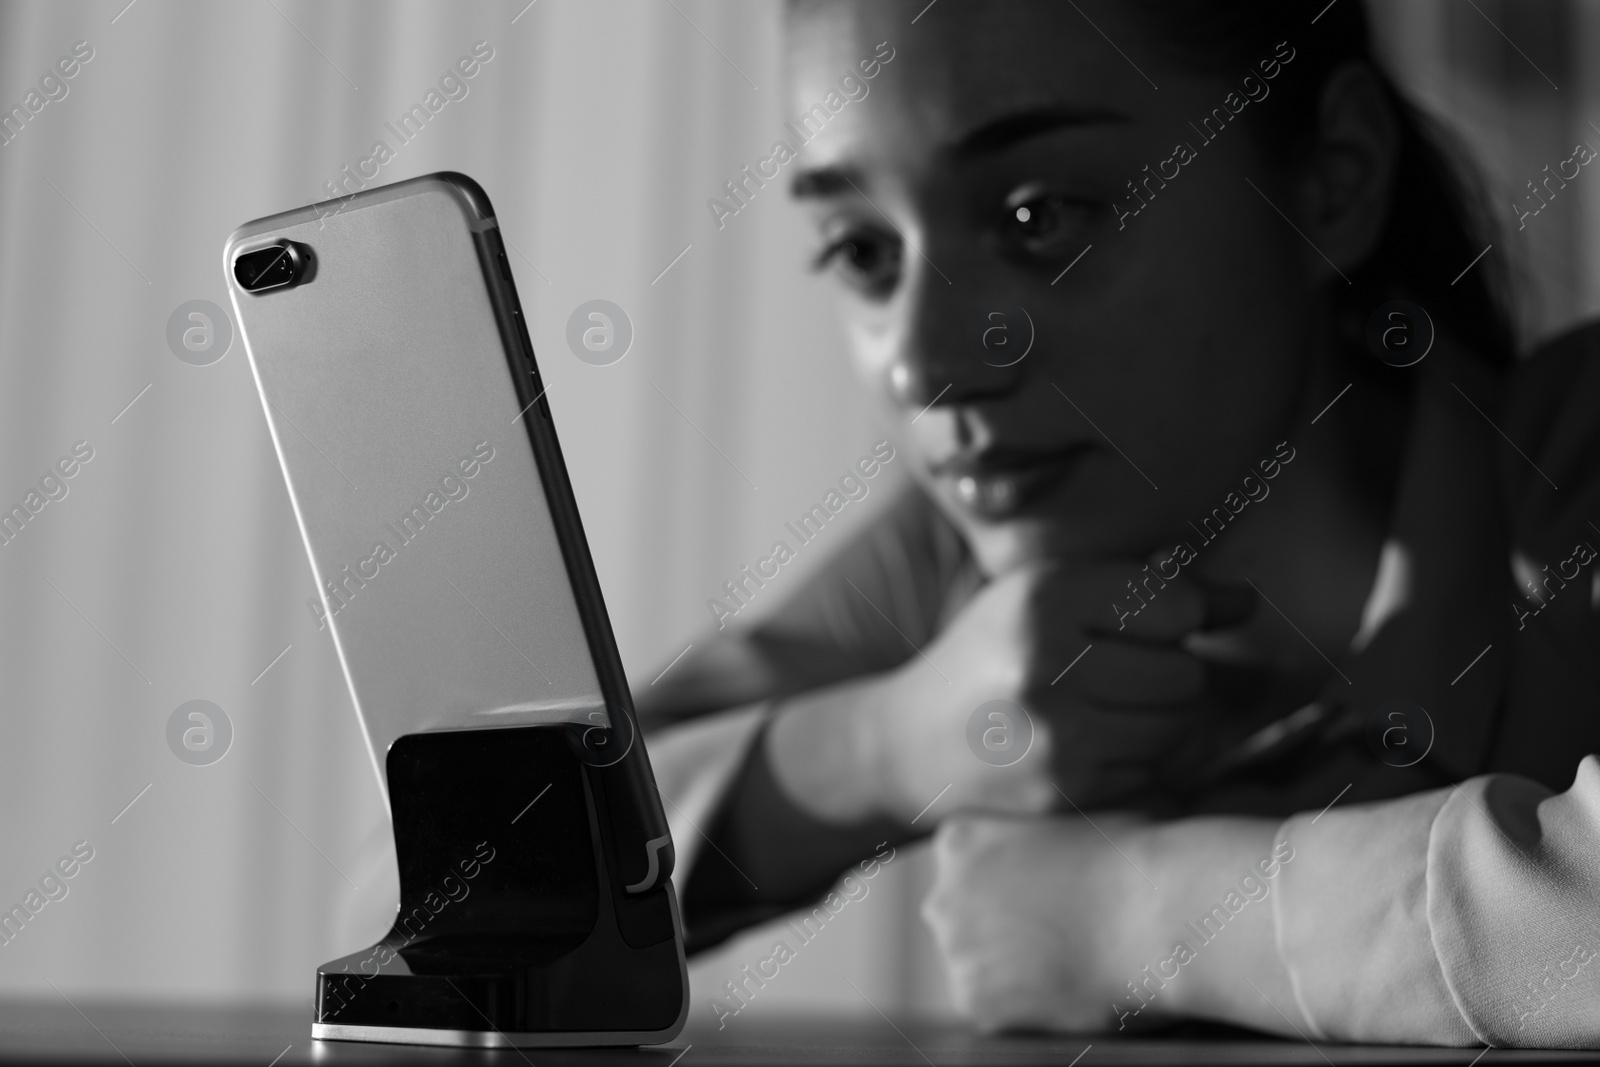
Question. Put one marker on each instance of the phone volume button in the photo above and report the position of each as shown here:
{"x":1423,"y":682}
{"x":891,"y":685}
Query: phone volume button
{"x":522,"y":330}
{"x":499,"y":248}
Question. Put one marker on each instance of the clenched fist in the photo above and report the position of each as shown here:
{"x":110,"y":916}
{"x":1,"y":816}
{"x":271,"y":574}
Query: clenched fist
{"x":1128,"y":709}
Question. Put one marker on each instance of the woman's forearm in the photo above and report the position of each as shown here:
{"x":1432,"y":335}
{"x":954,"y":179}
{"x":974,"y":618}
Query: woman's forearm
{"x":821,"y":747}
{"x":1217,"y":877}
{"x":1111,"y":922}
{"x":801,"y":809}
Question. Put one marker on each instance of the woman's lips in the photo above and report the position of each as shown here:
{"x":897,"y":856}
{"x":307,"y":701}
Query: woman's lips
{"x":996,"y":489}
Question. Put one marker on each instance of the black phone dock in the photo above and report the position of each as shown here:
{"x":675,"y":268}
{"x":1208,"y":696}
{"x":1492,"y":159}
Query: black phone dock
{"x":535,"y":907}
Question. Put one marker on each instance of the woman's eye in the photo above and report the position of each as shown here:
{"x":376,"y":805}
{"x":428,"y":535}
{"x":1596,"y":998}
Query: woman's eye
{"x":863,"y":260}
{"x":1047,"y":223}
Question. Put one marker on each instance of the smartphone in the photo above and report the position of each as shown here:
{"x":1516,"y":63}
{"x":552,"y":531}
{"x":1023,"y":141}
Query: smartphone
{"x":452,"y":572}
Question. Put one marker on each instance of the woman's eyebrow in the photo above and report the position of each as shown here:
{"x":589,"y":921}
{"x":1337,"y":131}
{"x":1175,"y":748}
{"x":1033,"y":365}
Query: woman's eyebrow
{"x":1005,"y":131}
{"x":822,"y":182}
{"x":993,"y":136}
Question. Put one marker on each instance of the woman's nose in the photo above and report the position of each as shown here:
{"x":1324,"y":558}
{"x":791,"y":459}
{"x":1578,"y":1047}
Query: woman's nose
{"x":954,"y":348}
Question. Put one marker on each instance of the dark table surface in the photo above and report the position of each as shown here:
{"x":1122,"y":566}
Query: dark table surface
{"x":147,"y":1036}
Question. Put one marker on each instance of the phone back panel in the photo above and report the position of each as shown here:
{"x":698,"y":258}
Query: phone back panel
{"x":392,"y":405}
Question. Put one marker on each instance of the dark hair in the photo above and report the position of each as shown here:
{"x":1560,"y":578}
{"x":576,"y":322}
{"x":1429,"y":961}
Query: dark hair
{"x":1438,"y":215}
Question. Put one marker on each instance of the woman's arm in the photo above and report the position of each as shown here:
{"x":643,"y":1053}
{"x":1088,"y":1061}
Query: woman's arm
{"x":1469,"y":915}
{"x":1110,"y":922}
{"x":822,"y":628}
{"x":790,"y":793}
{"x":881,"y":758}
{"x":791,"y":692}
{"x":771,"y":852}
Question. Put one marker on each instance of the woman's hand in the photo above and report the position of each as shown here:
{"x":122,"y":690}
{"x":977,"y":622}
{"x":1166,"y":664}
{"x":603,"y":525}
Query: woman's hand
{"x":1101,"y":730}
{"x":1058,"y":923}
{"x":1032,"y":919}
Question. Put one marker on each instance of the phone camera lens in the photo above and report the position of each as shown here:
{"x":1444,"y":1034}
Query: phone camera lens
{"x":272,"y":267}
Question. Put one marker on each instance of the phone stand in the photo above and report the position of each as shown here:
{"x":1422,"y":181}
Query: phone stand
{"x":516,"y":927}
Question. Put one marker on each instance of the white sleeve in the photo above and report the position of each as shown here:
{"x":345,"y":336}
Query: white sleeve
{"x":1514,"y":901}
{"x":1468,"y":915}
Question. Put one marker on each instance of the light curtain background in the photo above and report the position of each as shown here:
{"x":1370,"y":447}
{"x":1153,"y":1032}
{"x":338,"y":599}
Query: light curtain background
{"x":173,"y":570}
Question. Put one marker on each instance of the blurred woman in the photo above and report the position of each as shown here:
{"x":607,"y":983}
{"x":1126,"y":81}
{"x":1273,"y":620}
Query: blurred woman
{"x":1210,"y":548}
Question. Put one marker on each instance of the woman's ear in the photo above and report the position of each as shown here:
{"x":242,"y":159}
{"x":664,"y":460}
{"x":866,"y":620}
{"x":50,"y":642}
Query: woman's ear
{"x":1348,"y":184}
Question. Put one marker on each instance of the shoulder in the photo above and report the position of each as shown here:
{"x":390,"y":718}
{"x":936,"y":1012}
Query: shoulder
{"x":1552,"y":412}
{"x":1560,"y":358}
{"x":871,"y":580}
{"x":1549,"y":467}
{"x":903,"y":562}
{"x":1551,"y":419}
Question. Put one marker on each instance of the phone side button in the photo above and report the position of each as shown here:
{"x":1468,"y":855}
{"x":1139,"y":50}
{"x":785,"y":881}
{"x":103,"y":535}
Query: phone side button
{"x":522,"y":332}
{"x":499,"y":248}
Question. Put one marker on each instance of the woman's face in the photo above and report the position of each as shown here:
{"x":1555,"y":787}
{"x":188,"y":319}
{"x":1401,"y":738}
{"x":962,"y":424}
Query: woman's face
{"x":966,"y":203}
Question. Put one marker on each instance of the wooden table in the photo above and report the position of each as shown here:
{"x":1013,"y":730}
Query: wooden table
{"x":48,"y":1032}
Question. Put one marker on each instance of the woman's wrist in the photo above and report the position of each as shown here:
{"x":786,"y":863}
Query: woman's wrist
{"x":1220,"y":959}
{"x":824,"y":748}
